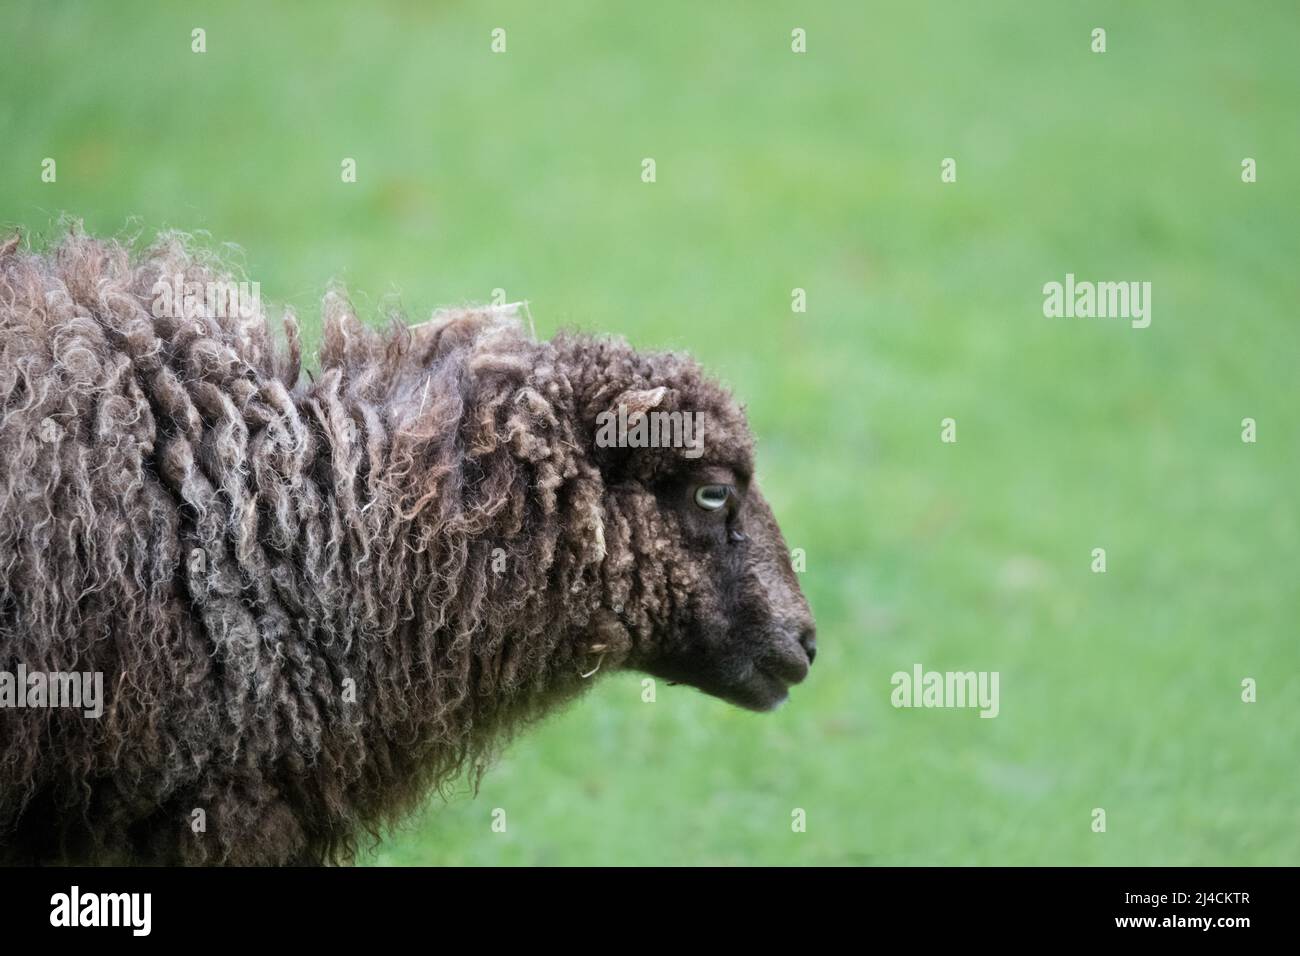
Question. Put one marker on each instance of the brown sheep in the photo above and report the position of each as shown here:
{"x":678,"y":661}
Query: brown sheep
{"x":311,"y":601}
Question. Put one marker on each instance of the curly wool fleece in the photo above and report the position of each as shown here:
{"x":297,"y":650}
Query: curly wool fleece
{"x":311,"y":600}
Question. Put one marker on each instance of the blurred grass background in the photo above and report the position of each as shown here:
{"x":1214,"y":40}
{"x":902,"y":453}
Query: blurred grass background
{"x":820,"y":171}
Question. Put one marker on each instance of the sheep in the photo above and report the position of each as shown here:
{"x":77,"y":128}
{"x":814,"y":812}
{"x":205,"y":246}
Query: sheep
{"x":314,"y":599}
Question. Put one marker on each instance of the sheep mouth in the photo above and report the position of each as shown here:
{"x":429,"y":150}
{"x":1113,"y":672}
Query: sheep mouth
{"x":769,"y":683}
{"x":762,"y":692}
{"x":789,"y":670}
{"x":759,"y":683}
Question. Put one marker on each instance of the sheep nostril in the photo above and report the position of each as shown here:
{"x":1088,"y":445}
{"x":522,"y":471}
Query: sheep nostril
{"x":808,"y":641}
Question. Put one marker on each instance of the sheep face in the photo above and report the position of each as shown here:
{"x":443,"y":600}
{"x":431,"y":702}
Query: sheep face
{"x":744,"y":632}
{"x":717,"y":604}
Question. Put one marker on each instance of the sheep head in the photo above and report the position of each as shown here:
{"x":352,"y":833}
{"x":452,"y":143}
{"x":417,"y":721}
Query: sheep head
{"x":697,"y":568}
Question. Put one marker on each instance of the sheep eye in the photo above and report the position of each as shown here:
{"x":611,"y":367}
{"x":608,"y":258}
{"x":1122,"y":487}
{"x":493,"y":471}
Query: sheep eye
{"x":712,"y":497}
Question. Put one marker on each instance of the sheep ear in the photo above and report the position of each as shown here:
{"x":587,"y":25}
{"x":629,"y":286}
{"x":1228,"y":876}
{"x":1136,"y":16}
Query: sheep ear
{"x":638,"y":401}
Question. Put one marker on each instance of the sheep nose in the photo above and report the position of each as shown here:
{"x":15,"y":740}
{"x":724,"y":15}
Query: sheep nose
{"x":808,"y":641}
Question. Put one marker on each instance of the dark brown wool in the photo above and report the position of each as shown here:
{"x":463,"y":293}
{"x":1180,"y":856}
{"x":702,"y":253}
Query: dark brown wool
{"x":313,"y":600}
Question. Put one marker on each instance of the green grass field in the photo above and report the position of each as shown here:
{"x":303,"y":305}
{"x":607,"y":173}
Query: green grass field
{"x":820,"y":171}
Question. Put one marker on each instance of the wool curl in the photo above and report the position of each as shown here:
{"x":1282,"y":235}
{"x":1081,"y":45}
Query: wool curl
{"x":312,"y":598}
